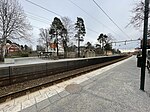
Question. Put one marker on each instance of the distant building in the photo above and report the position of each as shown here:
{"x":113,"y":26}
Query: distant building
{"x":108,"y":53}
{"x":89,"y":53}
{"x":11,"y":48}
{"x":53,"y":48}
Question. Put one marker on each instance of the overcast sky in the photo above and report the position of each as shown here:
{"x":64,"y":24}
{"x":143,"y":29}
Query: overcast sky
{"x":118,"y":10}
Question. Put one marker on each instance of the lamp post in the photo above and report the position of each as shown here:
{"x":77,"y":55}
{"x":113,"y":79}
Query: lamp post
{"x":146,"y":12}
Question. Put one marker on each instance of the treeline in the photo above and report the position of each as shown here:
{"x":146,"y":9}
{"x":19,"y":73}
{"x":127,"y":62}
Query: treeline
{"x":63,"y":32}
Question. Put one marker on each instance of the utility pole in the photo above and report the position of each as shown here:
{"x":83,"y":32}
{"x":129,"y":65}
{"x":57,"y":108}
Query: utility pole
{"x":144,"y":44}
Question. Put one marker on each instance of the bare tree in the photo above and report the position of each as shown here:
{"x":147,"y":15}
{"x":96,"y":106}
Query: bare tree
{"x":138,"y":18}
{"x":13,"y":23}
{"x":69,"y":26}
{"x":67,"y":33}
{"x":44,"y":37}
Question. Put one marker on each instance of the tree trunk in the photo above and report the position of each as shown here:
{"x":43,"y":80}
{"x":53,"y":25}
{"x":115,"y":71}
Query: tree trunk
{"x":3,"y":50}
{"x":78,"y":47}
{"x":57,"y":49}
{"x":2,"y":56}
{"x":65,"y":52}
{"x":65,"y":49}
{"x":46,"y":45}
{"x":103,"y":48}
{"x":57,"y":46}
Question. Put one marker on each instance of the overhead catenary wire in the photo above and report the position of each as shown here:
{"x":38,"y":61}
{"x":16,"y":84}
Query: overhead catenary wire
{"x":92,"y":16}
{"x":32,"y":14}
{"x":37,"y":19}
{"x":109,"y":18}
{"x":46,"y":23}
{"x":91,"y":30}
{"x":54,"y":13}
{"x":43,"y":8}
{"x":126,"y":41}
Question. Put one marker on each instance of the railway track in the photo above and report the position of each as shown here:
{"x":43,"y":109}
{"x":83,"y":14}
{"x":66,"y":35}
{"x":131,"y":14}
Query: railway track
{"x":20,"y":89}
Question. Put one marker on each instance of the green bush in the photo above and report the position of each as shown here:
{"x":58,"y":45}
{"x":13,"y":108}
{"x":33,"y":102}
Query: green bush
{"x":24,"y":55}
{"x":17,"y":55}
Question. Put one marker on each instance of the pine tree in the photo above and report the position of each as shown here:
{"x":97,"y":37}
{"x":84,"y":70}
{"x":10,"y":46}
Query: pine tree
{"x":56,"y":30}
{"x":80,"y":27}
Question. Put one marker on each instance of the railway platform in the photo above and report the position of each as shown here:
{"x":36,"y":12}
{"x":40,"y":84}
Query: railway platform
{"x":25,"y":61}
{"x":114,"y":88}
{"x":36,"y":60}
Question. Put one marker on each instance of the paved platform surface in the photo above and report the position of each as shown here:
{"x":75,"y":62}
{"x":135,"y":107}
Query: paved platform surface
{"x":114,"y":88}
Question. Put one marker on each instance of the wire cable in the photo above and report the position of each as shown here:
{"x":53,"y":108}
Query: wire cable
{"x":29,"y":13}
{"x":36,"y":19}
{"x":92,"y":16}
{"x":109,"y":17}
{"x":46,"y":23}
{"x":53,"y":13}
{"x":43,"y":8}
{"x":91,"y":30}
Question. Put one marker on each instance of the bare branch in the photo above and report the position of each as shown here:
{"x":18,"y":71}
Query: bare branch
{"x":138,"y":15}
{"x":44,"y":37}
{"x":68,"y":24}
{"x":13,"y":22}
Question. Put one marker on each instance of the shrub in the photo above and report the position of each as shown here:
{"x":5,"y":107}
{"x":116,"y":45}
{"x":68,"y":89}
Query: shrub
{"x":24,"y":55}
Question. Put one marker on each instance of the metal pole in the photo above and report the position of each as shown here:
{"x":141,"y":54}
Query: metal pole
{"x":142,"y":83}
